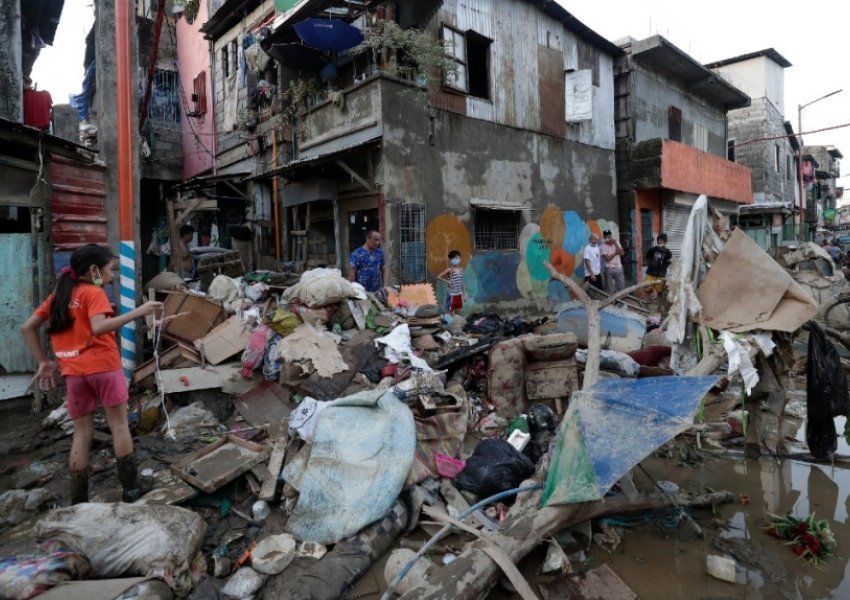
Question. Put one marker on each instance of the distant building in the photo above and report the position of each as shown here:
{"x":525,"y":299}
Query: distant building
{"x":762,"y":139}
{"x":671,"y":144}
{"x":822,"y":192}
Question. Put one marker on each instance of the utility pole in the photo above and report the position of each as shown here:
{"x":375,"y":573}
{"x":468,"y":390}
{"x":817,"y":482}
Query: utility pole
{"x":800,"y":108}
{"x":117,"y":67}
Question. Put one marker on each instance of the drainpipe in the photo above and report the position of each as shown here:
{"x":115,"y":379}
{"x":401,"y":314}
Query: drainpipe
{"x":212,"y":103}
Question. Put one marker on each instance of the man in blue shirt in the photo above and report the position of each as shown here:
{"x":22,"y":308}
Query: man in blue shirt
{"x":367,"y":264}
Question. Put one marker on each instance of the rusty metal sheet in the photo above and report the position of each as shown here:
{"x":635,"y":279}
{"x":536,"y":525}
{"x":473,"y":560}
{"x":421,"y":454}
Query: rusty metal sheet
{"x":552,"y":99}
{"x":78,"y":203}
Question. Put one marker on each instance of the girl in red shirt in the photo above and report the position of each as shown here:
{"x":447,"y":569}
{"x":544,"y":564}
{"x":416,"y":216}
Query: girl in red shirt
{"x":82,"y":328}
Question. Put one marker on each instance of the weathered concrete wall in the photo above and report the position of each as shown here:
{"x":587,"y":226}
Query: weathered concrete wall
{"x":653,"y":97}
{"x":11,"y":69}
{"x":758,"y":77}
{"x":193,"y":55}
{"x":66,"y":122}
{"x":755,"y":122}
{"x":444,"y":161}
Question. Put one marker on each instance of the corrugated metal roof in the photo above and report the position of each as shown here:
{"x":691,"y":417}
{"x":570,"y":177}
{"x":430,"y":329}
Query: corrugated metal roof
{"x":78,"y":203}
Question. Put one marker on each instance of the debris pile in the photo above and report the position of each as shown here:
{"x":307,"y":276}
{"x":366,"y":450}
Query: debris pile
{"x":306,"y":427}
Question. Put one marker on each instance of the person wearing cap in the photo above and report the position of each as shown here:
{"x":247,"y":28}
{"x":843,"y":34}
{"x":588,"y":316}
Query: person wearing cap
{"x":611,"y":251}
{"x":658,"y":258}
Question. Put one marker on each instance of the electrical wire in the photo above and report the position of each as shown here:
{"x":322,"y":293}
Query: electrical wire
{"x":445,"y":530}
{"x":157,"y":338}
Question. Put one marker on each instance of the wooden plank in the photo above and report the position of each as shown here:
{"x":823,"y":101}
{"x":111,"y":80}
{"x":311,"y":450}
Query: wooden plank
{"x":225,"y":340}
{"x":167,"y":358}
{"x":275,"y":463}
{"x":267,"y":402}
{"x":219,"y":463}
{"x":261,"y":472}
{"x":198,"y":378}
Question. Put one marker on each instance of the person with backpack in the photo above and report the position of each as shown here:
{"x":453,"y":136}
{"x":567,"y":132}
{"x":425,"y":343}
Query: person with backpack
{"x":81,"y":326}
{"x":658,"y":259}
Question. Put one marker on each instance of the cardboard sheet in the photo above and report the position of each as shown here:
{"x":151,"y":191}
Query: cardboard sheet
{"x":746,"y":290}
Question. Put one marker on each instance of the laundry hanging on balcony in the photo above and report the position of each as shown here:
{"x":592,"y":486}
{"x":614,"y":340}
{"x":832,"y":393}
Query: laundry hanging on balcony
{"x":331,"y":35}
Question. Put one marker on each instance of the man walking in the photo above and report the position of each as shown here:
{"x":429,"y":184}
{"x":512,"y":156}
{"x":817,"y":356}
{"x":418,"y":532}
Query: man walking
{"x":615,"y":280}
{"x":658,"y":258}
{"x":593,"y":262}
{"x":368,"y":267}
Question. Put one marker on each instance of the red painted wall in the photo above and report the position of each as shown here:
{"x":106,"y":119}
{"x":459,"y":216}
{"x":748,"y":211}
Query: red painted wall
{"x":686,"y":169}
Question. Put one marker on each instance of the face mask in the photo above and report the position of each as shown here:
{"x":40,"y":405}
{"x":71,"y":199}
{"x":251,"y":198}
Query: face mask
{"x":97,"y":279}
{"x":455,"y":262}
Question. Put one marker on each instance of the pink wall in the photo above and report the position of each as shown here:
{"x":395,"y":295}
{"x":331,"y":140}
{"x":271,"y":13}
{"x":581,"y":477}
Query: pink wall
{"x":192,"y":58}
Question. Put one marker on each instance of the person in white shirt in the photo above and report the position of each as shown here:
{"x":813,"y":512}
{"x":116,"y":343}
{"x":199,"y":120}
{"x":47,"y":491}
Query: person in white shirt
{"x":593,"y":262}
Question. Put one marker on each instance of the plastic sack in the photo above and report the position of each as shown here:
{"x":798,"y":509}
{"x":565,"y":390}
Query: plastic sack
{"x":284,"y":322}
{"x":610,"y":360}
{"x":123,"y":540}
{"x":224,"y":289}
{"x":320,"y":287}
{"x":826,"y":393}
{"x":272,"y":365}
{"x":252,"y":356}
{"x":495,"y":466}
{"x":28,"y":575}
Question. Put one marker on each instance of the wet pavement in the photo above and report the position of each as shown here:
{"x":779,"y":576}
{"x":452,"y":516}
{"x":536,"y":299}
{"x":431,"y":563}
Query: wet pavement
{"x":659,"y":563}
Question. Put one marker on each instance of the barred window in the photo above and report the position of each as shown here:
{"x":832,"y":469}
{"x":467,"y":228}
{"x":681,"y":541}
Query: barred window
{"x":496,"y":229}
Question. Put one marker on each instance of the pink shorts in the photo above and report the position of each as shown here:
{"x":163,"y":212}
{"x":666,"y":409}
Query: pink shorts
{"x":85,"y":391}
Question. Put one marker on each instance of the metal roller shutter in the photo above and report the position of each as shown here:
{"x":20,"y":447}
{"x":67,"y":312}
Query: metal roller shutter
{"x":674,"y":221}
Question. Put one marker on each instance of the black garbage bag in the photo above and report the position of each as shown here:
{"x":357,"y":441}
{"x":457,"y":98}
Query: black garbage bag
{"x":495,"y":466}
{"x":484,"y":324}
{"x":826,"y":393}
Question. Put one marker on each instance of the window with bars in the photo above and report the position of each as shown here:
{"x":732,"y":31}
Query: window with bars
{"x":496,"y":229}
{"x":412,"y":231}
{"x":164,"y":105}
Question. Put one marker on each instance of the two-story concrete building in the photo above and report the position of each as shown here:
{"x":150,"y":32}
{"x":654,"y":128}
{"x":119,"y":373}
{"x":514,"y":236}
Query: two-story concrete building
{"x":761,"y":138}
{"x":508,"y":159}
{"x":671,"y":132}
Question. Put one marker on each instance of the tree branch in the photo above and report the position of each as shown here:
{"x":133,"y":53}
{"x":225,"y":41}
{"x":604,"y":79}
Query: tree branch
{"x":623,"y":293}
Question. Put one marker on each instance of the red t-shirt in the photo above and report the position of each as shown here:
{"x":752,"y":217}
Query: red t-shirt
{"x":78,"y":351}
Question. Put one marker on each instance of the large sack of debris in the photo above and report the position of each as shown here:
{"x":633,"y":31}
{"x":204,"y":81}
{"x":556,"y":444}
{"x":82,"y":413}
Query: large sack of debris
{"x":123,"y":539}
{"x":321,"y":287}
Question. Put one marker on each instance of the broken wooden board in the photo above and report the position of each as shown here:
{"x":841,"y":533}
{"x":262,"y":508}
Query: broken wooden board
{"x":168,"y":489}
{"x":225,"y":340}
{"x":212,"y":467}
{"x":600,"y":583}
{"x":178,"y":355}
{"x":204,"y":315}
{"x":267,"y":403}
{"x":420,"y":294}
{"x":275,"y":464}
{"x":198,"y":378}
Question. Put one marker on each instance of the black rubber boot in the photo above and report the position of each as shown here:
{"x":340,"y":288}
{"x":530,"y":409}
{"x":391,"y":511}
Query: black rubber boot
{"x":134,"y":487}
{"x":80,"y":486}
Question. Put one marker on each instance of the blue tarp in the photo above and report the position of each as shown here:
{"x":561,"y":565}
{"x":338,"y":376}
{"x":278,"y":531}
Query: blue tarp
{"x":82,"y":101}
{"x":361,"y":453}
{"x":608,"y":429}
{"x":331,"y":35}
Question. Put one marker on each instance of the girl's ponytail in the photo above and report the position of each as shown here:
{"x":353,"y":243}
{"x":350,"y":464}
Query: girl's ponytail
{"x":82,"y":261}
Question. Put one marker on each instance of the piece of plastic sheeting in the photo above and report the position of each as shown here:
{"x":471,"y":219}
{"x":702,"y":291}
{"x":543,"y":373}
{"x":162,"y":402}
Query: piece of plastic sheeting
{"x":611,"y":427}
{"x":361,"y":454}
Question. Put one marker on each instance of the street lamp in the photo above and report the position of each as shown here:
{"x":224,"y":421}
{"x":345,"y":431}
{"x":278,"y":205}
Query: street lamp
{"x":800,"y":108}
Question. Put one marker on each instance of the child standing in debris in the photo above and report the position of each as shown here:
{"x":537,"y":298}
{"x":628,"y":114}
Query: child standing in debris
{"x":81,"y":327}
{"x":453,"y":276}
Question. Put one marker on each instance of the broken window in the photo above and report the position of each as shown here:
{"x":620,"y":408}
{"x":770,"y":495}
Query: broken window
{"x":225,"y":62}
{"x":412,"y":230}
{"x":199,"y":94}
{"x":496,"y":229}
{"x":730,"y":150}
{"x":470,"y":53}
{"x":478,"y":64}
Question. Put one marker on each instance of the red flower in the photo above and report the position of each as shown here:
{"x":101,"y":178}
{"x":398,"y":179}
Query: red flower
{"x":801,"y":528}
{"x":799,"y":549}
{"x":812,"y":543}
{"x":772,"y":531}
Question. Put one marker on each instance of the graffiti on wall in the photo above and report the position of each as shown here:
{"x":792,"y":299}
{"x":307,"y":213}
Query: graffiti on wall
{"x":559,"y":237}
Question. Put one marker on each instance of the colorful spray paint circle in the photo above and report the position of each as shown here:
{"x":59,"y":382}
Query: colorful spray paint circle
{"x":536,"y":254}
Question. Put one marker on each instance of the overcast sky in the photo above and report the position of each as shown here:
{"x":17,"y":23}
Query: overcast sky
{"x":812,"y":35}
